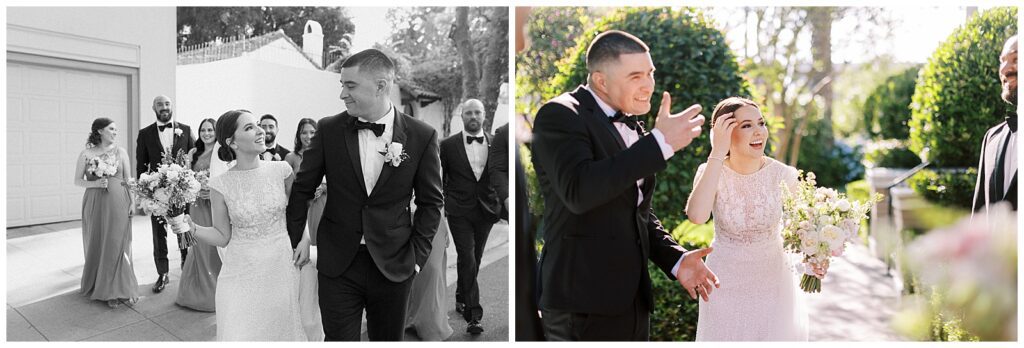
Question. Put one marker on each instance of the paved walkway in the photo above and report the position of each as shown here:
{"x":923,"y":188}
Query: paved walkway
{"x":856,"y":302}
{"x":44,"y":266}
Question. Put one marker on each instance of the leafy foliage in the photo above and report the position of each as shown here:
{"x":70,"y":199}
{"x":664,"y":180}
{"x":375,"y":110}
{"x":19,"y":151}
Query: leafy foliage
{"x":953,"y":188}
{"x":204,"y":24}
{"x":957,"y":97}
{"x":890,"y":154}
{"x":887,"y":108}
{"x":675,"y":313}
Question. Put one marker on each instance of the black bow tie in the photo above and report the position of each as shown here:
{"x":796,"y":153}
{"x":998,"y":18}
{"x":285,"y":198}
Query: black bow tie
{"x":272,"y":150}
{"x":1011,"y":120}
{"x":629,"y":121}
{"x":377,"y":128}
{"x":471,"y":139}
{"x":161,"y":128}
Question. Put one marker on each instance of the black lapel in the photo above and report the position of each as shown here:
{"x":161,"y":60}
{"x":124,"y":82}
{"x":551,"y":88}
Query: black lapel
{"x":462,"y":154}
{"x":589,"y":107}
{"x":398,"y":136}
{"x":351,"y":136}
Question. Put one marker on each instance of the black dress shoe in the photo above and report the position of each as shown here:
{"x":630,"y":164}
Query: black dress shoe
{"x":161,"y":282}
{"x":474,"y":327}
{"x":460,"y":307}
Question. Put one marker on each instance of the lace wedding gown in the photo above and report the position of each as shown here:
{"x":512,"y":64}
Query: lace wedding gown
{"x":758,"y":299}
{"x":258,"y":287}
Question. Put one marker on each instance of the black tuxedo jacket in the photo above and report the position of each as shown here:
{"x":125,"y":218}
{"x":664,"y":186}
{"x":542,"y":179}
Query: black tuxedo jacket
{"x":462,"y":191}
{"x":280,"y":150}
{"x":497,"y":160}
{"x":596,"y":239}
{"x":982,"y":193}
{"x":397,"y":241}
{"x":149,"y":151}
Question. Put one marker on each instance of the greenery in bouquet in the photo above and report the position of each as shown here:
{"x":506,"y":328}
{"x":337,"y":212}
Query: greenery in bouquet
{"x":817,"y":224}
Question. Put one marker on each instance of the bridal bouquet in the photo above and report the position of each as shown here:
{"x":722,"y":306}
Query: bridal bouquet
{"x":102,"y":166}
{"x":817,"y":223}
{"x":167,"y":191}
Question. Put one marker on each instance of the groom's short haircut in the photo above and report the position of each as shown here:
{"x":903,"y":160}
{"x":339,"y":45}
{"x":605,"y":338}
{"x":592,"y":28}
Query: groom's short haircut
{"x":268,"y":117}
{"x":609,"y":45}
{"x":373,"y":61}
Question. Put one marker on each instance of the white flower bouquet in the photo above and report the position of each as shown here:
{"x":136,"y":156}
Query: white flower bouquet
{"x":102,"y":166}
{"x":817,"y":224}
{"x":167,"y":192}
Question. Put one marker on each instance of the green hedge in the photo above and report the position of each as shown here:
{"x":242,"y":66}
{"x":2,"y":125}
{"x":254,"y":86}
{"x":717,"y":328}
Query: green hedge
{"x":694,"y":64}
{"x":887,"y":108}
{"x":675,"y":314}
{"x":835,"y":165}
{"x":957,"y":97}
{"x":948,"y":187}
{"x":890,"y":154}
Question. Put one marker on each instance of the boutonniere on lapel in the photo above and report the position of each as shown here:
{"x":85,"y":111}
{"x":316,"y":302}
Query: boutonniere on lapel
{"x":394,"y":153}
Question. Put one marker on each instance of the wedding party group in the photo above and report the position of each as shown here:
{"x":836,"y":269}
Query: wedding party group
{"x":295,"y":245}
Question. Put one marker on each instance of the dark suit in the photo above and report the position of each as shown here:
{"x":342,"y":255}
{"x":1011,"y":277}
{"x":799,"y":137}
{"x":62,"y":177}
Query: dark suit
{"x":472,"y":209}
{"x":597,"y":240}
{"x":149,"y":152}
{"x":983,"y":191}
{"x":375,"y":276}
{"x":280,"y":151}
{"x":497,"y":161}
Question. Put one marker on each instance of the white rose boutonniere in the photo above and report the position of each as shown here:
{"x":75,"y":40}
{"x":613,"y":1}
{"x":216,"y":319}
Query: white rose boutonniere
{"x":177,"y":131}
{"x":394,"y":153}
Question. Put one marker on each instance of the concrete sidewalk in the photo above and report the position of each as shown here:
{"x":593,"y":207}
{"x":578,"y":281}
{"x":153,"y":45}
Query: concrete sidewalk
{"x":856,"y":302}
{"x":44,"y":268}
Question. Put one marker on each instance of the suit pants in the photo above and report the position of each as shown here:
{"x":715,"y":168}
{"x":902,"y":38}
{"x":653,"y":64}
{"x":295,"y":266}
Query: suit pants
{"x":631,"y":325}
{"x":160,"y":245}
{"x":363,"y":286}
{"x":470,"y":233}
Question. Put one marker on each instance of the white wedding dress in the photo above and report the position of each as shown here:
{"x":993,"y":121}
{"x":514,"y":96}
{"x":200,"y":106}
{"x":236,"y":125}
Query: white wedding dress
{"x":758,"y":299}
{"x":258,"y":287}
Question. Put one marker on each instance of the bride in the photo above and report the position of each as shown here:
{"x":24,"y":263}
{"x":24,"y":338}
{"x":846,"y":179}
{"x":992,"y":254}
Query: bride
{"x":258,"y":287}
{"x":758,"y":300}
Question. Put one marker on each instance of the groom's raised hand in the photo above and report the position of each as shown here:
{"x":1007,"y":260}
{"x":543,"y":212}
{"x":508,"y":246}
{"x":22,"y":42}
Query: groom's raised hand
{"x":695,"y":276}
{"x":679,"y":129}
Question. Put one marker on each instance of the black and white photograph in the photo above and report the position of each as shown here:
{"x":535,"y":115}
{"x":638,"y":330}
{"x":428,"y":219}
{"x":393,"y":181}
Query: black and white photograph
{"x":257,"y":174}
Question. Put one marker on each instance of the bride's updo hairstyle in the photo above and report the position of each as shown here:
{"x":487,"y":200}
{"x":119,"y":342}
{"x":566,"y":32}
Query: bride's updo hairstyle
{"x":729,"y":105}
{"x":226,"y":126}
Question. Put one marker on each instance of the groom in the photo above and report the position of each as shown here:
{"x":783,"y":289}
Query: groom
{"x":596,"y":171}
{"x":375,"y":159}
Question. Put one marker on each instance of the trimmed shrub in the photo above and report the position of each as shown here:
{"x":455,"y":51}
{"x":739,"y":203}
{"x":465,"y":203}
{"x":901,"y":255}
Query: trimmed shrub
{"x":694,"y":64}
{"x":948,"y":187}
{"x":887,"y":108}
{"x":890,"y":154}
{"x":957,"y":97}
{"x":675,"y":313}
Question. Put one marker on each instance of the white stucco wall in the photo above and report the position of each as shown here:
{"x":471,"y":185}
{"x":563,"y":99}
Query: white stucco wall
{"x":281,"y":52}
{"x":141,"y":37}
{"x":288,"y":93}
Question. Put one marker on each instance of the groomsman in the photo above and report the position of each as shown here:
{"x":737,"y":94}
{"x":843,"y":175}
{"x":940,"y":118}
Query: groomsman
{"x":997,"y":167}
{"x":275,"y":152}
{"x":153,"y":141}
{"x":471,"y":206}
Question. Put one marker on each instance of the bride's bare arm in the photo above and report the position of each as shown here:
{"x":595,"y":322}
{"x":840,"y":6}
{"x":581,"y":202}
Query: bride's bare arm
{"x":220,"y":233}
{"x":705,"y":190}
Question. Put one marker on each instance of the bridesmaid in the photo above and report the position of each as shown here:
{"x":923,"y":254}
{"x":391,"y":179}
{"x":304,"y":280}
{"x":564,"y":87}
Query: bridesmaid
{"x":428,"y":296}
{"x":108,"y":274}
{"x":309,"y":303}
{"x":198,"y":285}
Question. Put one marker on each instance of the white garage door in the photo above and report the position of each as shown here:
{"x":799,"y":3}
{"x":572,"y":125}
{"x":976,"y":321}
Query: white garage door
{"x":49,"y":112}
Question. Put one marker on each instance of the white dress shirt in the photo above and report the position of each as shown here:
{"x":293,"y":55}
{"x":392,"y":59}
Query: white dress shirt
{"x":370,"y":147}
{"x":166,"y":136}
{"x":476,"y":153}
